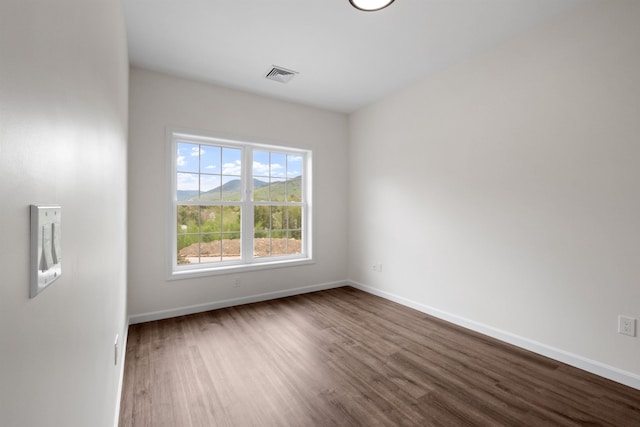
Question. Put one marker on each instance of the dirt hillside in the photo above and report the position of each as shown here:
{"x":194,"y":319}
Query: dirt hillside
{"x":231,"y":248}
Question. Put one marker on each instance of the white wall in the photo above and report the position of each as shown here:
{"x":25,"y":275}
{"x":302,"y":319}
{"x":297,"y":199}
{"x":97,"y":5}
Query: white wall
{"x":506,"y":190}
{"x":63,"y":130}
{"x":158,"y":101}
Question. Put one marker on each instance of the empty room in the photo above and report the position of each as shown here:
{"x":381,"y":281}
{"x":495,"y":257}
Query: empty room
{"x":319,"y":213}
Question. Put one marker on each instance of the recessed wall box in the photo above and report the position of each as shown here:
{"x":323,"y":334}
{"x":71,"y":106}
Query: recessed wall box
{"x":46,"y":250}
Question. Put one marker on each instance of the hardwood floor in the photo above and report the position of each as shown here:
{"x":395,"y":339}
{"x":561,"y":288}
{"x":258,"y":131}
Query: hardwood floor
{"x":343,"y":357}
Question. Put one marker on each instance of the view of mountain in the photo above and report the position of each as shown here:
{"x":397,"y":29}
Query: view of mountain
{"x":230,"y":191}
{"x":292,"y":188}
{"x":187,"y":195}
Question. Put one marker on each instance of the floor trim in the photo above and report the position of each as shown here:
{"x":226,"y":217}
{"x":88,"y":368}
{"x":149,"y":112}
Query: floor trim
{"x":618,"y":375}
{"x":214,"y":305}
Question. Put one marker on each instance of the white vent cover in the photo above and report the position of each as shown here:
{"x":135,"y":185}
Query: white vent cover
{"x":280,"y":74}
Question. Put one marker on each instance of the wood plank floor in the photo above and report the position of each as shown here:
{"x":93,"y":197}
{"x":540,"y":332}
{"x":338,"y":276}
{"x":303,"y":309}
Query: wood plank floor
{"x":343,"y":357}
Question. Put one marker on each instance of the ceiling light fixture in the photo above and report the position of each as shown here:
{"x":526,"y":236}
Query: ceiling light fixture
{"x":370,"y":5}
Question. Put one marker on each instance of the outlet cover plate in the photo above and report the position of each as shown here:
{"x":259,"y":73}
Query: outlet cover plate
{"x":627,"y":325}
{"x":46,"y":249}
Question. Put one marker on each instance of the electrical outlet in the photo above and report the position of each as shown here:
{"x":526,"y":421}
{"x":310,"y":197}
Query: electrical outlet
{"x":627,"y":325}
{"x":375,"y":267}
{"x":236,"y":282}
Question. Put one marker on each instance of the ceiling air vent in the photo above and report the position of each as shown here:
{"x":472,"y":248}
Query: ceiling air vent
{"x":280,"y":74}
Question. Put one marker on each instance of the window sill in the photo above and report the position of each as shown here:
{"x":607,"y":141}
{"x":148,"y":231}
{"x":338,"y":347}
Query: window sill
{"x":233,"y":269}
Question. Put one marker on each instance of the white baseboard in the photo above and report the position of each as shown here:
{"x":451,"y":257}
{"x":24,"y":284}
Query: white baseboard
{"x":627,"y":378}
{"x":199,"y":308}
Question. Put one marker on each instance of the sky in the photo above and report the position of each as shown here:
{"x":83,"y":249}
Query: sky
{"x":206,"y":167}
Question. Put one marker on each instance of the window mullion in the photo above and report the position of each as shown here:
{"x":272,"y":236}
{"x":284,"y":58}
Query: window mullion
{"x":246,"y":231}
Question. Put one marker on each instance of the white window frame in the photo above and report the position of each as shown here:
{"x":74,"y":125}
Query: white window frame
{"x":247,"y":262}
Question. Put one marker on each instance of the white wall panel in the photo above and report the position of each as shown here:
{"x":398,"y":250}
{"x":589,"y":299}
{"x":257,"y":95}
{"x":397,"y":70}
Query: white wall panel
{"x":505,"y":189}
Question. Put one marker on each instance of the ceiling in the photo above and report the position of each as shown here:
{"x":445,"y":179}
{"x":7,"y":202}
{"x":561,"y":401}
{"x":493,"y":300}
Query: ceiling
{"x":346,"y":58}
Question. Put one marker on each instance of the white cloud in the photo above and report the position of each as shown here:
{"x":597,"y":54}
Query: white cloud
{"x":197,"y":151}
{"x":260,"y":169}
{"x":181,"y":161}
{"x":231,"y":168}
{"x":210,"y":167}
{"x":277,"y":170}
{"x":187,"y":181}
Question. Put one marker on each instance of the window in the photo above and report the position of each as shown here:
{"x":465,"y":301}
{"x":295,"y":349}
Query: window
{"x":237,"y":205}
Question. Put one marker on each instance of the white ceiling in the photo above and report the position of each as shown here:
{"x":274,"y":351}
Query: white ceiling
{"x":346,"y":58}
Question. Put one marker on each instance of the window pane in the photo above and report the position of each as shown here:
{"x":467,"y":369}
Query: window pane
{"x":294,"y":175}
{"x":277,"y":217}
{"x":276,"y":190}
{"x":210,"y":219}
{"x":187,"y":249}
{"x":208,"y":234}
{"x":294,"y":242}
{"x":231,"y":163}
{"x":278,"y":243}
{"x":262,"y":245}
{"x":260,"y":164}
{"x":187,"y":157}
{"x":294,"y":190}
{"x":231,"y":188}
{"x":187,"y":219}
{"x":231,"y":221}
{"x":231,"y":247}
{"x":261,"y":219}
{"x":260,"y":190}
{"x":210,"y":245}
{"x":294,"y":218}
{"x":262,"y":231}
{"x":210,"y":187}
{"x":187,"y":186}
{"x":278,"y":165}
{"x":277,"y":230}
{"x":210,"y":159}
{"x":294,"y":166}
